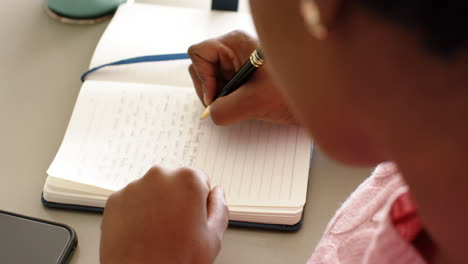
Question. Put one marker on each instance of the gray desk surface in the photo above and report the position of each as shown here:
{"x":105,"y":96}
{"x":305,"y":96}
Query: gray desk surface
{"x":40,"y":62}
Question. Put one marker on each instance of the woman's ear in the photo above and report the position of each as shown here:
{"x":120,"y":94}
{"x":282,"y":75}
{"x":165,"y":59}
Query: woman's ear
{"x":319,"y":16}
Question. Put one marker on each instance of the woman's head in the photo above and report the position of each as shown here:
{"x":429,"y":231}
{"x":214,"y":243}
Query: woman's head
{"x":389,"y":81}
{"x":386,"y":72}
{"x":442,"y":25}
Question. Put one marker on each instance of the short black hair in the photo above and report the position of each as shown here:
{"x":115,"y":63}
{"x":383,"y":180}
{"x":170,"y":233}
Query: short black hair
{"x":443,"y":24}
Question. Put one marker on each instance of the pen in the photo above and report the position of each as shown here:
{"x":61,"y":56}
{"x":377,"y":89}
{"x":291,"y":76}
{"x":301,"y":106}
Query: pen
{"x":241,"y":77}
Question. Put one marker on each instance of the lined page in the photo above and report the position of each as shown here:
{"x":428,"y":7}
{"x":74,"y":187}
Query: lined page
{"x":119,"y":130}
{"x":258,"y":164}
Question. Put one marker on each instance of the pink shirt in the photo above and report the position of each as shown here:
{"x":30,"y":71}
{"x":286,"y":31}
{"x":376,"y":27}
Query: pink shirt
{"x":375,"y":225}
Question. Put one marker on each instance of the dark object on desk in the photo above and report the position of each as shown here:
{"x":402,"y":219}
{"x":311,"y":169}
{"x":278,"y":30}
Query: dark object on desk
{"x":225,"y":5}
{"x":29,"y":240}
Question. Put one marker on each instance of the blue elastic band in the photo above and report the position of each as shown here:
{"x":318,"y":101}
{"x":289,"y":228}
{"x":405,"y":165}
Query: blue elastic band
{"x":163,"y":57}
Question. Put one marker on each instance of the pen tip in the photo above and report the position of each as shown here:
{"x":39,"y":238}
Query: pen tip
{"x":206,"y":113}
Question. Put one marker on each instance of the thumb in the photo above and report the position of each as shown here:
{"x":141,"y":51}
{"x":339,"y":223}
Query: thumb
{"x":240,"y":105}
{"x":218,"y":213}
{"x":245,"y":103}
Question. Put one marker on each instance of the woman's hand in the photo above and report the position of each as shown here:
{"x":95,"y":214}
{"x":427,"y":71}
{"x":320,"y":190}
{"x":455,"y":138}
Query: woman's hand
{"x":214,"y":63}
{"x":164,"y":217}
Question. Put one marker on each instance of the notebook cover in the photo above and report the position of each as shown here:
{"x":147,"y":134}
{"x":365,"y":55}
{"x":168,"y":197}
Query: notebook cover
{"x":284,"y":228}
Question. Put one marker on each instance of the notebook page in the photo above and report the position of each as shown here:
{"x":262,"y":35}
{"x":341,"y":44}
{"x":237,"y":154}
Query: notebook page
{"x":258,"y":164}
{"x":144,"y":29}
{"x":119,"y":130}
{"x":201,"y":4}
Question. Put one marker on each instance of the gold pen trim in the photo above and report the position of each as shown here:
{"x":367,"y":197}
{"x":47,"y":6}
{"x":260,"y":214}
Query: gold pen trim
{"x":256,"y":60}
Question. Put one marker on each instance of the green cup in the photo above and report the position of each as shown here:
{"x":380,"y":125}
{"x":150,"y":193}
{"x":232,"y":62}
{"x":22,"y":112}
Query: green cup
{"x":83,"y":8}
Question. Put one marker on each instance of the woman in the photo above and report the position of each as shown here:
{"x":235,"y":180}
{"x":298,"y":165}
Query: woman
{"x":371,"y":81}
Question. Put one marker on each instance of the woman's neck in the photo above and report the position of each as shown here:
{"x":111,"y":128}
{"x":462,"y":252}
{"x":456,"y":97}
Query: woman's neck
{"x":434,"y":163}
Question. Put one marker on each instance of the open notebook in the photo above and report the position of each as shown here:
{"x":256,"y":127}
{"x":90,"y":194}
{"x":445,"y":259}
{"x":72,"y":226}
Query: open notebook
{"x":128,"y":118}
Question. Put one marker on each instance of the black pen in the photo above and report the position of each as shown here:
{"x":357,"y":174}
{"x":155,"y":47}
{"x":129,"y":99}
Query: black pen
{"x":241,"y":77}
